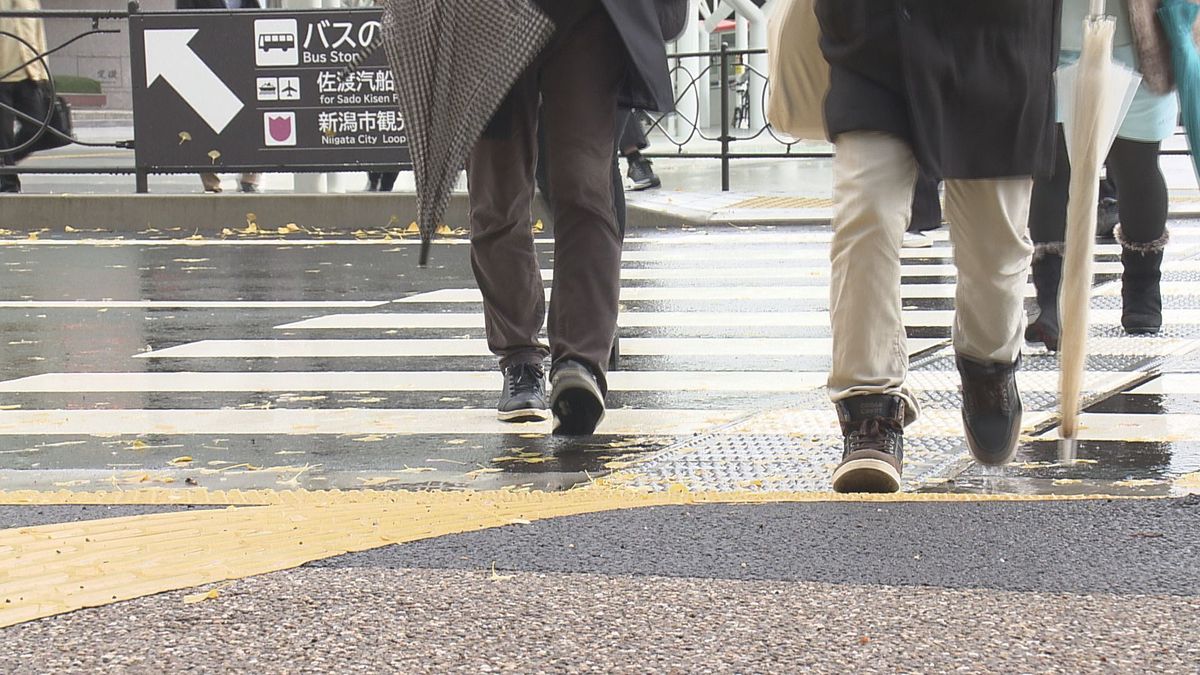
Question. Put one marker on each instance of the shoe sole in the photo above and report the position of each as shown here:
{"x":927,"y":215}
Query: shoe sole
{"x":577,"y":405}
{"x":917,"y":244}
{"x":523,"y":415}
{"x":638,"y":187}
{"x":987,"y":461}
{"x":866,"y":475}
{"x":1143,"y":331}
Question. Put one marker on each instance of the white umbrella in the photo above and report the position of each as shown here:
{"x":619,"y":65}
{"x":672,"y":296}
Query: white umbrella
{"x":1101,"y":92}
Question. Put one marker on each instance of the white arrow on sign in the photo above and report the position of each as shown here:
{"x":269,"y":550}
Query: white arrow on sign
{"x":168,"y":56}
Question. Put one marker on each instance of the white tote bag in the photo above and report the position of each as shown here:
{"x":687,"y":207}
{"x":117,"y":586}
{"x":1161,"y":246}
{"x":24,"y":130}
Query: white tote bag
{"x":798,"y":71}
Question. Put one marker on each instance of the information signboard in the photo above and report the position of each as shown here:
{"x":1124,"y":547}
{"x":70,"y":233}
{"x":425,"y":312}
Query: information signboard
{"x":263,"y":90}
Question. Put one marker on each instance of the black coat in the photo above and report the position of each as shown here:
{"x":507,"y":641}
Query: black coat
{"x":213,"y":4}
{"x":968,"y":83}
{"x":647,"y":83}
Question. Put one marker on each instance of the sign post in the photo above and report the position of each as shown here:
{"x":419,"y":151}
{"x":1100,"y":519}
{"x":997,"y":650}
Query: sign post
{"x":226,"y":91}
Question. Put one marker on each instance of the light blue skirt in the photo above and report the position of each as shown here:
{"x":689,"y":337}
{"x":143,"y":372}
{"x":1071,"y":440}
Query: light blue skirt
{"x":1151,"y":117}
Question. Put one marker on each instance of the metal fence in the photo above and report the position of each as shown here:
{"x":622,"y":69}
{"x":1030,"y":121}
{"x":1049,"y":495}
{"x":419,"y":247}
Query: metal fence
{"x":683,"y":129}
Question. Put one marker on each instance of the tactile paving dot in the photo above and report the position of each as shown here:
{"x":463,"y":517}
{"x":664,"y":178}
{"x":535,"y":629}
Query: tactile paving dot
{"x":771,"y":462}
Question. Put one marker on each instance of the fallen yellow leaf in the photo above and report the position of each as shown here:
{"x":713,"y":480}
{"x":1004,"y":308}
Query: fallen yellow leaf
{"x":180,"y":460}
{"x":416,"y":469}
{"x":499,"y":577}
{"x":201,"y":597}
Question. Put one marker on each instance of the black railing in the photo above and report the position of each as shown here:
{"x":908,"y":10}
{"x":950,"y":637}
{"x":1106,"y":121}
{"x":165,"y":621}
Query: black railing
{"x":735,"y":125}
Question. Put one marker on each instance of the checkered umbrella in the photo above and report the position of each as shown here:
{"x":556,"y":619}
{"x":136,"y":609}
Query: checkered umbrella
{"x":454,"y":62}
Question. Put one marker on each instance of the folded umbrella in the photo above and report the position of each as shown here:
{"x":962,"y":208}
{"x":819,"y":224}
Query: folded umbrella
{"x":1178,"y":17}
{"x":1100,"y":93}
{"x":454,"y":61}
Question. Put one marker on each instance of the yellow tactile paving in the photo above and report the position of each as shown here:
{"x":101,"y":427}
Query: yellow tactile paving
{"x":51,"y":569}
{"x":783,"y":203}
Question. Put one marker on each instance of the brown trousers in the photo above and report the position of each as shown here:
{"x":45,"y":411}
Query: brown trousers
{"x":576,"y":82}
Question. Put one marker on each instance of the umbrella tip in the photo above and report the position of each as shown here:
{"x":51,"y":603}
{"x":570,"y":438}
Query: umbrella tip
{"x":1067,"y":450}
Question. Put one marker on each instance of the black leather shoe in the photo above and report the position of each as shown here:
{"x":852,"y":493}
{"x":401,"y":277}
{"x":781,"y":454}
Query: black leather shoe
{"x":524,"y":395}
{"x":872,"y":444}
{"x":575,"y":399}
{"x":991,"y":409}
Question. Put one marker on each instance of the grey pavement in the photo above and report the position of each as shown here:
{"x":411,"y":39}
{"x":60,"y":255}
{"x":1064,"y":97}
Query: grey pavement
{"x":989,"y":588}
{"x":1123,"y":547}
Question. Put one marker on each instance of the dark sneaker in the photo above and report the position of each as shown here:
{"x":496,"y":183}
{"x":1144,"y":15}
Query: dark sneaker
{"x":524,"y":395}
{"x":641,"y":172}
{"x":249,"y":188}
{"x":991,"y":409}
{"x":872,"y":445}
{"x":576,"y":399}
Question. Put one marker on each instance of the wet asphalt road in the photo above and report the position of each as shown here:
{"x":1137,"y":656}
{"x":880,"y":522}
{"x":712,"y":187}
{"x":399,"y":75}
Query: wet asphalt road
{"x":1088,"y":587}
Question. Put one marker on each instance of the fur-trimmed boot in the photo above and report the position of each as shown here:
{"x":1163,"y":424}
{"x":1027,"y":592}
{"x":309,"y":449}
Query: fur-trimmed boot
{"x":1141,"y":296}
{"x":1047,"y":274}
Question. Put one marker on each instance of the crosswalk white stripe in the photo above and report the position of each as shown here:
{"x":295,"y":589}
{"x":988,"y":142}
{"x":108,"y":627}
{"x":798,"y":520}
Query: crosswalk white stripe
{"x":1170,"y":383}
{"x":723,"y":259}
{"x":700,"y":293}
{"x":190,"y":304}
{"x":400,"y":321}
{"x":778,"y":273}
{"x":449,"y":381}
{"x":304,"y":421}
{"x":1132,"y":427}
{"x":403,"y":381}
{"x":627,"y":320}
{"x":731,"y":348}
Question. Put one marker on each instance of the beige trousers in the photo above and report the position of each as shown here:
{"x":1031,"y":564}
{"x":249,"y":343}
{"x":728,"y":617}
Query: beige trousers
{"x":873,"y":178}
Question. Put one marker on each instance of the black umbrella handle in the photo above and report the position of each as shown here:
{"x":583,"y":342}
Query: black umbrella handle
{"x":426,"y":245}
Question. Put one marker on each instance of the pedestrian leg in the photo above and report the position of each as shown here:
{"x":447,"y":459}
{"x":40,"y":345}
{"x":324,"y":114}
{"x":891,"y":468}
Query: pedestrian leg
{"x":579,"y":87}
{"x":500,"y":188}
{"x":988,"y":220}
{"x":873,"y":179}
{"x":1143,"y":232}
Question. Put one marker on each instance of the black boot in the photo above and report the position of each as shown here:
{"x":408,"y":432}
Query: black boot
{"x":1141,"y":297}
{"x":991,"y":409}
{"x":872,"y":443}
{"x":1047,"y":274}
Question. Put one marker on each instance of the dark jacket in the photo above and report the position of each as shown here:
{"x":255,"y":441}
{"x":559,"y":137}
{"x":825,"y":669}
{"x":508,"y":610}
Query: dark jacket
{"x":213,"y":4}
{"x":647,"y":83}
{"x":969,"y":84}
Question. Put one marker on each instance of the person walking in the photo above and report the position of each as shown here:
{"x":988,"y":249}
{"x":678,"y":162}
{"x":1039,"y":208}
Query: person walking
{"x":381,"y":181}
{"x":911,"y":86}
{"x":247,"y":182}
{"x":1132,"y":165}
{"x":23,"y":81}
{"x":604,"y":53}
{"x":632,"y":140}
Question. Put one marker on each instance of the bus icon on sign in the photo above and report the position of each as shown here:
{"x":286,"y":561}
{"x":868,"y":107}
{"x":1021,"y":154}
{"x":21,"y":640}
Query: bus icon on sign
{"x":281,"y":41}
{"x":276,"y":42}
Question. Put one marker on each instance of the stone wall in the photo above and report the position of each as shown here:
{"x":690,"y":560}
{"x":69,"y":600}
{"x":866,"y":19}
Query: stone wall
{"x":100,"y":57}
